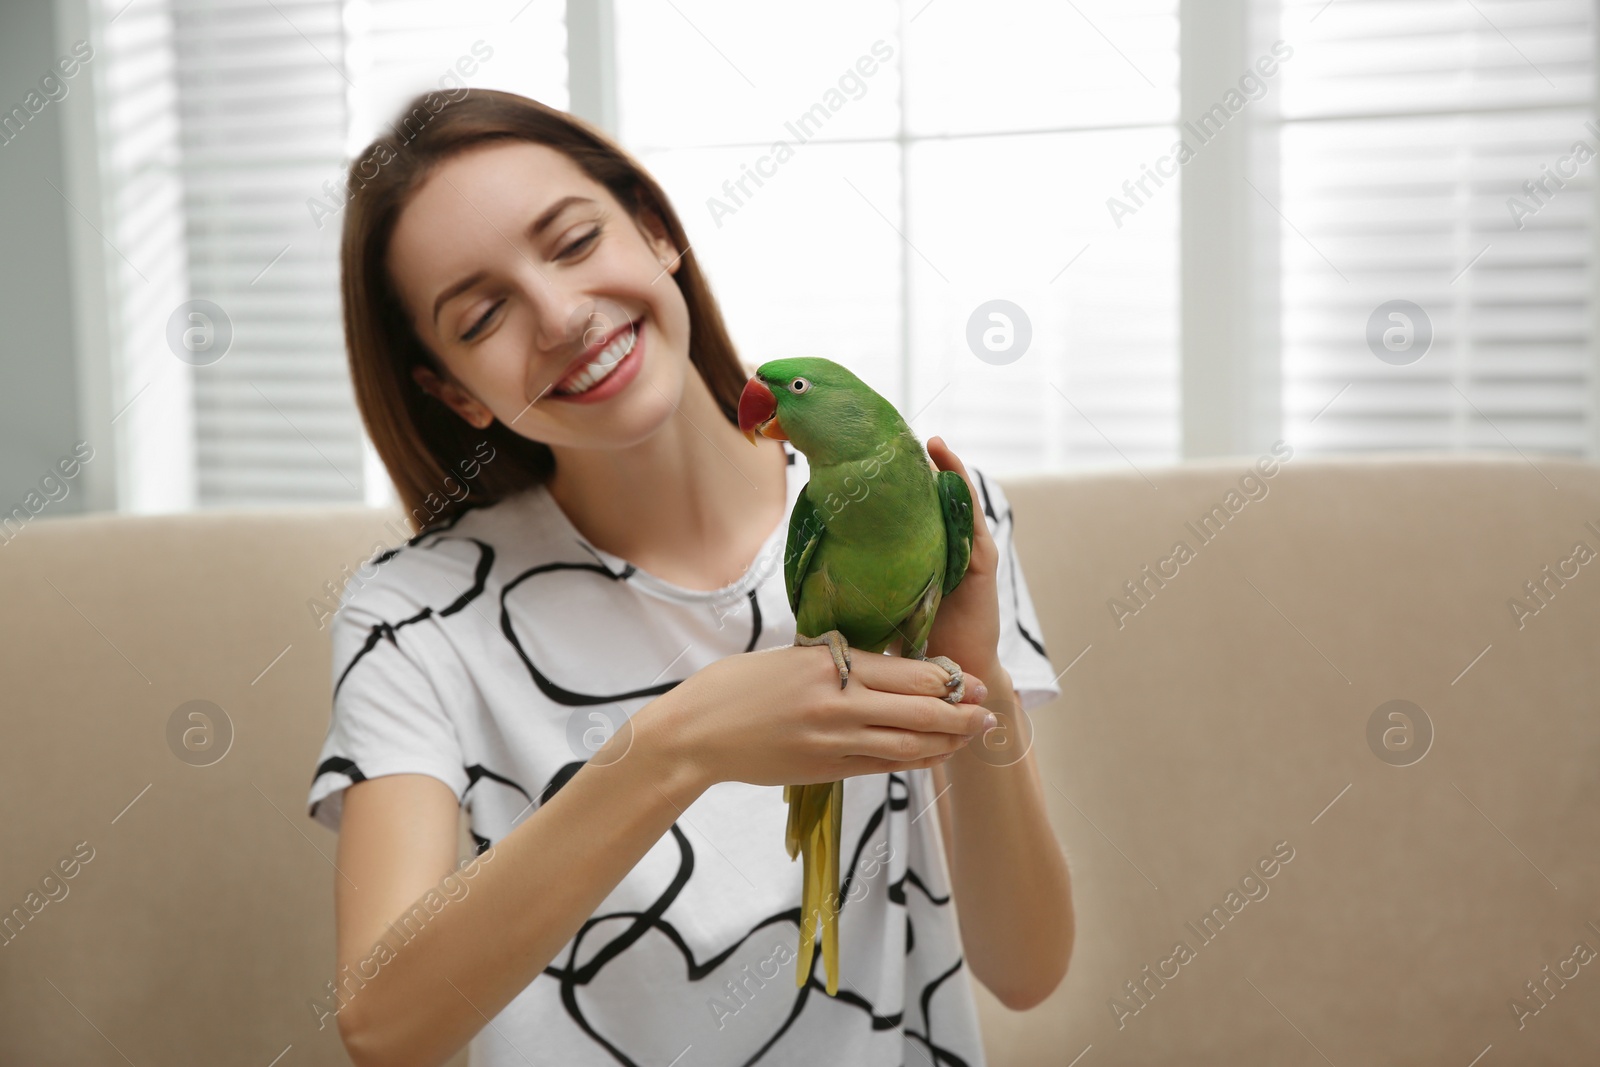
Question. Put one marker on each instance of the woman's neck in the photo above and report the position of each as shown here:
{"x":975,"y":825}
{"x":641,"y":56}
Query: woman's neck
{"x":692,"y":504}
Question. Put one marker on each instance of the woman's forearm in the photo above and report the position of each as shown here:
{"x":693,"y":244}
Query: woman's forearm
{"x":544,"y":879}
{"x":1012,"y":887}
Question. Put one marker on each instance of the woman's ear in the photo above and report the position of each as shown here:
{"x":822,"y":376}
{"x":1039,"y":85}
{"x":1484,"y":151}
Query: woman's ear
{"x":661,"y":244}
{"x":452,"y":396}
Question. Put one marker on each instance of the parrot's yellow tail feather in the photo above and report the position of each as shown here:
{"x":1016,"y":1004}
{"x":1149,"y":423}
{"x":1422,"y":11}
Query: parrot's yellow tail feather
{"x":829,"y":829}
{"x":815,"y":823}
{"x":791,"y":833}
{"x":808,"y":909}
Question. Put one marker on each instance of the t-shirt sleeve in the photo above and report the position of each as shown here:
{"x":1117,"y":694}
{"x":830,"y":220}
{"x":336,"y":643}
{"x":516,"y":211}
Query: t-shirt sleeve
{"x":1022,"y":651}
{"x":390,"y":667}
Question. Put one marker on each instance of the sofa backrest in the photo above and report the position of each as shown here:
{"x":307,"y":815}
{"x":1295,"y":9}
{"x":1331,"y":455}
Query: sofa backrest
{"x":202,"y":927}
{"x":1245,"y":705}
{"x":1226,"y":715}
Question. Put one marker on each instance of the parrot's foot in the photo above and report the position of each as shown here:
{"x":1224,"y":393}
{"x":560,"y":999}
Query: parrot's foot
{"x":957,"y":683}
{"x":840,"y":649}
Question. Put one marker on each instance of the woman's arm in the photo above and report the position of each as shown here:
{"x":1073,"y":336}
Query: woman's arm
{"x":531,"y":892}
{"x":1010,"y":880}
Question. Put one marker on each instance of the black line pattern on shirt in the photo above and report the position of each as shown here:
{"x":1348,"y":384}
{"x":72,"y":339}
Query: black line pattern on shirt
{"x":475,"y":773}
{"x":572,"y":976}
{"x":912,"y":877}
{"x":567,"y":697}
{"x":1011,"y":551}
{"x":550,"y":689}
{"x":755,"y":615}
{"x":486,"y":557}
{"x":478,"y":771}
{"x":559,"y":779}
{"x":339,"y":765}
{"x":940,"y":1055}
{"x":623,"y":575}
{"x":386,"y":631}
{"x":432,"y":528}
{"x":897,"y":799}
{"x":336,"y":765}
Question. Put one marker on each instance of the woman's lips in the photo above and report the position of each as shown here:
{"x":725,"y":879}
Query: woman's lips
{"x":593,"y":350}
{"x":627,"y":370}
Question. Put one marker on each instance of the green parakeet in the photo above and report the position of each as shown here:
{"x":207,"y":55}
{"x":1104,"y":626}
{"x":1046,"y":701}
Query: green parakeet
{"x":877,"y":538}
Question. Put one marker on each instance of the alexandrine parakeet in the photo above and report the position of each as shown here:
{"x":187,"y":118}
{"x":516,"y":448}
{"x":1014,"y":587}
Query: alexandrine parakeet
{"x":876,"y":539}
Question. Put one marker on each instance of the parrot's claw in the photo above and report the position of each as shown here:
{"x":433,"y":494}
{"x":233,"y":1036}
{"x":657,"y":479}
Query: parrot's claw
{"x":840,"y":648}
{"x":957,"y":683}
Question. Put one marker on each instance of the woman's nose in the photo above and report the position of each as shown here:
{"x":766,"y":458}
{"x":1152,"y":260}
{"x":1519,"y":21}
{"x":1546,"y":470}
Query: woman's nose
{"x":560,"y":317}
{"x":587,"y":321}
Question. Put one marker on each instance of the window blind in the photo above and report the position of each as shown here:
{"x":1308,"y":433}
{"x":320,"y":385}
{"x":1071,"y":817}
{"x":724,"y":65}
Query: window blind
{"x":226,"y":130}
{"x":1411,"y":132}
{"x":145,"y":257}
{"x":261,"y":109}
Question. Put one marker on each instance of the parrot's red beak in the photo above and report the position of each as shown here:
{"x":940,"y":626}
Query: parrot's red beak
{"x":758,"y":412}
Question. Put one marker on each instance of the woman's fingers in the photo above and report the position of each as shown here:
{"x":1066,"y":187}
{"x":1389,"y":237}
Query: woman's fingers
{"x":893,"y":714}
{"x":921,"y":715}
{"x":919,"y":677}
{"x":908,"y":746}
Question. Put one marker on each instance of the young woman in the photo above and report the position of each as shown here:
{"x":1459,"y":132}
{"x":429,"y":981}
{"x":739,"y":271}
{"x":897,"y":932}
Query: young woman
{"x":587,"y":648}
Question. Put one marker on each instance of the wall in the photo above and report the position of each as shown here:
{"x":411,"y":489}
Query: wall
{"x":39,"y":381}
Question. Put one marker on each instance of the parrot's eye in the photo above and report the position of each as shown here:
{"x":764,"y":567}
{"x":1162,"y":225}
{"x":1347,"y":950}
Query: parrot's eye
{"x":799,"y":385}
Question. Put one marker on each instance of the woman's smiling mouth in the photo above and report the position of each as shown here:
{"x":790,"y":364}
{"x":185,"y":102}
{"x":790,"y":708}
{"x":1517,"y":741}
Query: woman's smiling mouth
{"x":606,"y":373}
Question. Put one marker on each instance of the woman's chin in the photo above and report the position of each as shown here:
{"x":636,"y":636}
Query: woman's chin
{"x":630,"y":418}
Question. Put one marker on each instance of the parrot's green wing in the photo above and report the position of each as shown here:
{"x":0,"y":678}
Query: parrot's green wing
{"x":955,"y":501}
{"x":815,"y":810}
{"x":805,"y":533}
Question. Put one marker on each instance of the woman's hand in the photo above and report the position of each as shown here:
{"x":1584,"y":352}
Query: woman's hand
{"x":778,"y":717}
{"x":967,"y":627}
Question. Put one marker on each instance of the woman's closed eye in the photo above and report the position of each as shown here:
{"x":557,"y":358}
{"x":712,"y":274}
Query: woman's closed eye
{"x":581,"y":243}
{"x":483,"y":321}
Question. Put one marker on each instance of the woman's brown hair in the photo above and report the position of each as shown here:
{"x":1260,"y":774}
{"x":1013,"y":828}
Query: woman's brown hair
{"x":431,"y":453}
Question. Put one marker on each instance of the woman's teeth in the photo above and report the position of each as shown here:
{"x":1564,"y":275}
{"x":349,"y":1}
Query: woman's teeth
{"x":592,"y":374}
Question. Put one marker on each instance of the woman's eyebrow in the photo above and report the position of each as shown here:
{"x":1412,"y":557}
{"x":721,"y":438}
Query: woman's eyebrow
{"x":555,"y":209}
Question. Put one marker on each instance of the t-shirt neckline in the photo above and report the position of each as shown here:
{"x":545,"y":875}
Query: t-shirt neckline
{"x":770,"y":554}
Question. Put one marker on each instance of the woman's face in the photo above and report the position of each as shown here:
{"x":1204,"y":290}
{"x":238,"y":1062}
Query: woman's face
{"x":529,"y":281}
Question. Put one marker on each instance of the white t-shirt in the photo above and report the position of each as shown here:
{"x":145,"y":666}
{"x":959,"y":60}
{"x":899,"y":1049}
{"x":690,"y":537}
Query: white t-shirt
{"x":499,"y":652}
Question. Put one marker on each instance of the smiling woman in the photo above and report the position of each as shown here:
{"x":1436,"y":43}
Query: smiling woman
{"x":420,"y":438}
{"x":553,"y":656}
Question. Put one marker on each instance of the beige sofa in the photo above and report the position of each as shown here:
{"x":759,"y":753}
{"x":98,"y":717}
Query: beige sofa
{"x":1231,"y":715}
